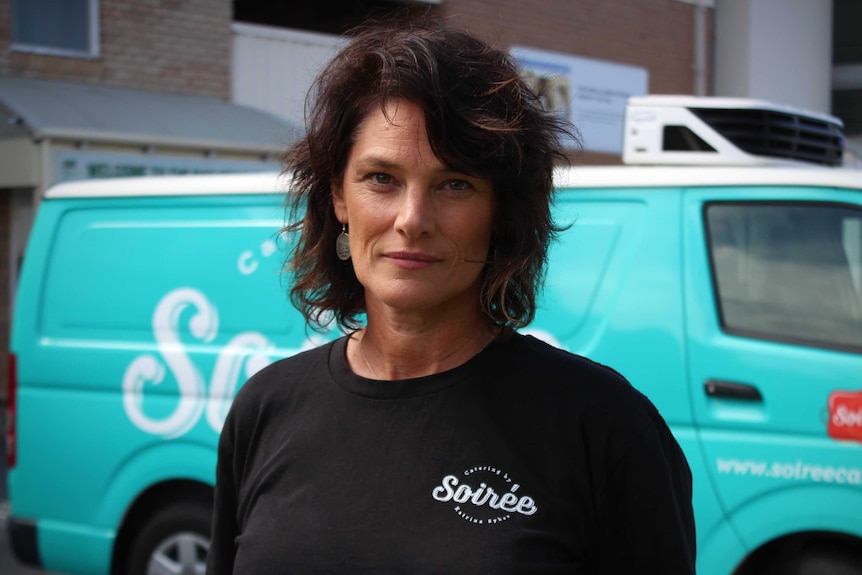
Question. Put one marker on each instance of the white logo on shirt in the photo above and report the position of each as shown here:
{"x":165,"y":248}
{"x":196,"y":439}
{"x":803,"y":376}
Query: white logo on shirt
{"x":488,"y":496}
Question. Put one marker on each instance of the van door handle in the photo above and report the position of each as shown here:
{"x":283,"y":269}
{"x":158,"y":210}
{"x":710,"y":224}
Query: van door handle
{"x":732,"y":390}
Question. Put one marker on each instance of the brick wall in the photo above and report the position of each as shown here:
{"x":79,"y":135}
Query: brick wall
{"x":655,"y":34}
{"x":179,"y":46}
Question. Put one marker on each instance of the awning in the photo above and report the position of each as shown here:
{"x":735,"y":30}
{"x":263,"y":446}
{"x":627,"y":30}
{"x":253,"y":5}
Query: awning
{"x":44,"y":109}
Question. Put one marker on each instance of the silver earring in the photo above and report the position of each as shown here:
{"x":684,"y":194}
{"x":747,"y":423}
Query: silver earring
{"x":342,"y":244}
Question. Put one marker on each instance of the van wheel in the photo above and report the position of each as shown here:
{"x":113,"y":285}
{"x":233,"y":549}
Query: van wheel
{"x":820,"y":562}
{"x":174,"y":541}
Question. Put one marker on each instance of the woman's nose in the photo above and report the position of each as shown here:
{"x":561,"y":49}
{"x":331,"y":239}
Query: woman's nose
{"x":415,"y":213}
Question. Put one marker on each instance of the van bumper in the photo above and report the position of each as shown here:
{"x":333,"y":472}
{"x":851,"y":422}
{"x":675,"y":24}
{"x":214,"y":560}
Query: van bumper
{"x":22,"y":539}
{"x":63,"y":547}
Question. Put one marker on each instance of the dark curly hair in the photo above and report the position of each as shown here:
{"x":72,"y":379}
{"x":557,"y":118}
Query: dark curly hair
{"x":481,"y":119}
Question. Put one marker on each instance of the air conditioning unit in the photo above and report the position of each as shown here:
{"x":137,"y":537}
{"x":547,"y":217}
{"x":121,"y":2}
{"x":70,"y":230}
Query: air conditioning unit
{"x":690,"y":130}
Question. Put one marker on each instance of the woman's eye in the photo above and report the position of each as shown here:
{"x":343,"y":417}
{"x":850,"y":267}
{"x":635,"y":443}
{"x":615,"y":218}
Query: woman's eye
{"x":458,"y":185}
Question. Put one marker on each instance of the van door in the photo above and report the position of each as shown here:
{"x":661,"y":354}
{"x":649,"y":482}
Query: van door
{"x":774,"y":320}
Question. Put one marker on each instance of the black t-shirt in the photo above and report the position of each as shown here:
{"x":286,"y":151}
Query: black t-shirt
{"x":526,"y":459}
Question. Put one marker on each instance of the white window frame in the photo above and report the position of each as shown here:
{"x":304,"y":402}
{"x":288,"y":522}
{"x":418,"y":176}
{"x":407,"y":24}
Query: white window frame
{"x":91,"y":52}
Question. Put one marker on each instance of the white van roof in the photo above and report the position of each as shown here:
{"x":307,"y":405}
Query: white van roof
{"x":709,"y":176}
{"x":565,"y":178}
{"x":187,"y":185}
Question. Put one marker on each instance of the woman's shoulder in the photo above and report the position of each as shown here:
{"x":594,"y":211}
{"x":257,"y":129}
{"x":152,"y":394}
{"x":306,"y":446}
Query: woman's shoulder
{"x":558,"y":366}
{"x":580,"y":382}
{"x":590,"y":398}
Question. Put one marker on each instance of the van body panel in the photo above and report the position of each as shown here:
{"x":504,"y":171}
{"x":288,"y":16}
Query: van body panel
{"x":719,"y":552}
{"x":63,"y":476}
{"x":802,"y":508}
{"x":712,"y":529}
{"x":614,"y":291}
{"x":131,"y":342}
{"x":157,"y":464}
{"x":218,"y":246}
{"x":775,"y":468}
{"x":615,"y":294}
{"x":803,"y":481}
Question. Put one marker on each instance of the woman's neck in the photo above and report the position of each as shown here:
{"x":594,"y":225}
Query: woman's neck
{"x":394,"y":347}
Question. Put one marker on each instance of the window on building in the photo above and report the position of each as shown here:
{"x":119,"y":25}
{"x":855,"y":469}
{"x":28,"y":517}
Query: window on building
{"x":789,"y":272}
{"x":325,"y":16}
{"x":62,"y":27}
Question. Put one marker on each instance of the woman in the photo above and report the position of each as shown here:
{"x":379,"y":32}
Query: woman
{"x":434,"y":438}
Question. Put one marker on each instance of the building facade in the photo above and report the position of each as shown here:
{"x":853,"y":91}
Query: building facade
{"x":180,"y":46}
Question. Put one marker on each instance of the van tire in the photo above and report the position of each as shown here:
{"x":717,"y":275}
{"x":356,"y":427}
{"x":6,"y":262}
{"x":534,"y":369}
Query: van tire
{"x":178,"y":535}
{"x":820,"y":562}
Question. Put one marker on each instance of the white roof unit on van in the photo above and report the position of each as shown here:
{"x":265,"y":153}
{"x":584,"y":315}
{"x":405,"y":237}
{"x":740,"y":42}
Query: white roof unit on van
{"x":690,"y":130}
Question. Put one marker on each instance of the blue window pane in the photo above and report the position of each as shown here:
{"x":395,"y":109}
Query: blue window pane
{"x":53,"y":24}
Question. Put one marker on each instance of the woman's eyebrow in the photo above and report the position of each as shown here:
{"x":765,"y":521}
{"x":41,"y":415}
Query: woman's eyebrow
{"x":379,"y":162}
{"x":376,"y":162}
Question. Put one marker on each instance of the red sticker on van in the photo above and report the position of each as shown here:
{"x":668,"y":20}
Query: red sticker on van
{"x":845,"y":415}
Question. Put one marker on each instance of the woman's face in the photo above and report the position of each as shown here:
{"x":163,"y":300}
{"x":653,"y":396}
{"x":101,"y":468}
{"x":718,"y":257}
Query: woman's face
{"x":419,"y":231}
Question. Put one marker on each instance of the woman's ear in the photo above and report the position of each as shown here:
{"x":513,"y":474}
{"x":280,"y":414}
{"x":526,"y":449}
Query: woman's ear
{"x":339,"y":204}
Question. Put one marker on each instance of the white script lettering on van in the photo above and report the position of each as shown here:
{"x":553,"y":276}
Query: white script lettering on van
{"x":243,"y":356}
{"x":247,"y":263}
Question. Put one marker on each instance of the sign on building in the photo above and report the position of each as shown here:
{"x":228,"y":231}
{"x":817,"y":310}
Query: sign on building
{"x":590,"y":93}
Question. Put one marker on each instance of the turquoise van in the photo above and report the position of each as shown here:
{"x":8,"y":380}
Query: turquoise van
{"x":726,"y":286}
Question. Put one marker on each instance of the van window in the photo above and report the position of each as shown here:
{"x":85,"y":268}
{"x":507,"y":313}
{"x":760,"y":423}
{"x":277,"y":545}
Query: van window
{"x":788,"y":272}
